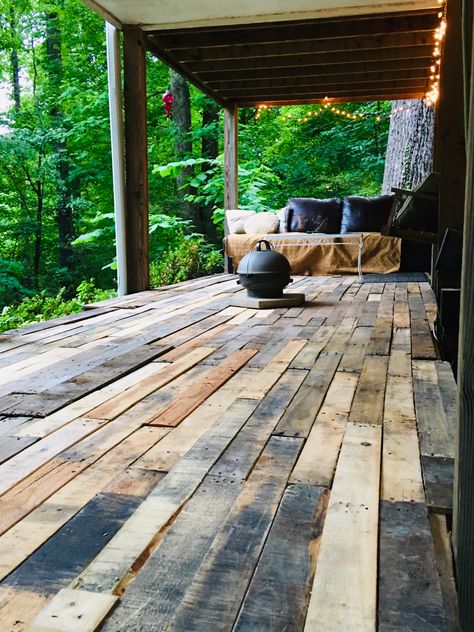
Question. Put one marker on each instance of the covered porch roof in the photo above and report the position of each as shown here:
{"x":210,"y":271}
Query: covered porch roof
{"x":287,"y":52}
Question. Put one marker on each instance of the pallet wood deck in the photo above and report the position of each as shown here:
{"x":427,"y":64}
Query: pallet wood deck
{"x":171,"y":462}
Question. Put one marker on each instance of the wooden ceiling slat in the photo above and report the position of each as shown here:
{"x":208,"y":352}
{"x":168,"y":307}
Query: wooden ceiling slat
{"x":350,"y":98}
{"x":279,"y":33}
{"x":307,"y":47}
{"x":328,"y":90}
{"x":370,"y":57}
{"x":322,"y":70}
{"x":325,"y":58}
{"x":330,"y":79}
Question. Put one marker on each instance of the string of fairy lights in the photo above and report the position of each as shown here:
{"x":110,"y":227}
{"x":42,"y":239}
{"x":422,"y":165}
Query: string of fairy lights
{"x":430,"y":98}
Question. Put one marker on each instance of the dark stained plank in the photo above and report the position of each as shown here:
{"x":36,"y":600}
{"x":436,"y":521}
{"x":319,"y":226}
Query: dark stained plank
{"x":65,"y":554}
{"x":64,"y":393}
{"x":152,"y":599}
{"x":301,"y":413}
{"x":409,"y":590}
{"x":438,"y":478}
{"x":278,"y":594}
{"x":213,"y":599}
{"x":237,"y":460}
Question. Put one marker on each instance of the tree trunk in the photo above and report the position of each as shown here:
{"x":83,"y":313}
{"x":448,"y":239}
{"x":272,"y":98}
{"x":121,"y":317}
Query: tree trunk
{"x":183,"y":146}
{"x":409,"y":156}
{"x":14,"y":62}
{"x":210,"y":150}
{"x":63,"y":210}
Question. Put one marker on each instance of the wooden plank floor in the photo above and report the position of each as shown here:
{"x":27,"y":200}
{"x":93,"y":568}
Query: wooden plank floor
{"x":169,"y":462}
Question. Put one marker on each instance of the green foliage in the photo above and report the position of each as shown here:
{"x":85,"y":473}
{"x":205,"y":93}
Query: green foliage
{"x":190,"y":258}
{"x":11,"y":287}
{"x":44,"y":306}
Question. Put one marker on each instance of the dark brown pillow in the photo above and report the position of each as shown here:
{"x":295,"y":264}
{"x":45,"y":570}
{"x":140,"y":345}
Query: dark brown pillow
{"x":365,"y":214}
{"x":309,"y":215}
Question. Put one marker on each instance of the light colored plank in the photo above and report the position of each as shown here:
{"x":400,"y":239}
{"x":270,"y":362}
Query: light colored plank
{"x":122,"y":401}
{"x":401,"y":470}
{"x":73,"y":611}
{"x":171,"y":448}
{"x":26,"y":536}
{"x":139,"y":534}
{"x":21,"y":465}
{"x":48,"y":424}
{"x":344,"y":592}
{"x":174,"y":413}
{"x":317,"y":461}
{"x":367,"y":407}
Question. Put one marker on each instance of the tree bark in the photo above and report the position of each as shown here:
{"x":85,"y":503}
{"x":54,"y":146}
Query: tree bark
{"x":210,"y":150}
{"x":63,"y":210}
{"x":183,"y":146}
{"x":14,"y":61}
{"x":409,"y":156}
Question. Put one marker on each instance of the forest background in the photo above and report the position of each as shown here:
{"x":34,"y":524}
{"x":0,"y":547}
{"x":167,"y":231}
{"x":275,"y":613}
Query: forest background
{"x":56,"y":206}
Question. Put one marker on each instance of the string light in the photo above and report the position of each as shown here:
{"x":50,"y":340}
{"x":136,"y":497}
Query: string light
{"x":432,"y":92}
{"x":326,"y":105}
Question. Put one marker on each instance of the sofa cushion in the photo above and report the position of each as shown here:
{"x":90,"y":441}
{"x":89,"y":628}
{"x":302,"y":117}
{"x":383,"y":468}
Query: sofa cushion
{"x":262,"y":223}
{"x":236,"y":219}
{"x":310,"y":215}
{"x":365,"y":214}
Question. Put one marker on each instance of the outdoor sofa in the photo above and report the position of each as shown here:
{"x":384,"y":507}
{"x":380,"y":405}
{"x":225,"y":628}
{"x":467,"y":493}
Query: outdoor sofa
{"x":321,"y":236}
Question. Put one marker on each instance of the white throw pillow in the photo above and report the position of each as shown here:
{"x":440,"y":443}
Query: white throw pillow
{"x":236,"y":220}
{"x":262,"y":223}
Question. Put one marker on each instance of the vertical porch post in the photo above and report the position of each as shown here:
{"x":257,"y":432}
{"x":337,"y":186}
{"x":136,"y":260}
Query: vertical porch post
{"x":117,"y":147}
{"x":464,"y":475}
{"x":450,"y":154}
{"x":136,"y":160}
{"x":231,"y":163}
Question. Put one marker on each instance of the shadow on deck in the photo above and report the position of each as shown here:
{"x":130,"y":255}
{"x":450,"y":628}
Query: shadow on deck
{"x":173,"y":463}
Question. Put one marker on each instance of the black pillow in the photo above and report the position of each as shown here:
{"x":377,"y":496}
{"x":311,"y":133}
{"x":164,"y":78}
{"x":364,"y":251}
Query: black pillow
{"x":365,"y":214}
{"x":309,"y":215}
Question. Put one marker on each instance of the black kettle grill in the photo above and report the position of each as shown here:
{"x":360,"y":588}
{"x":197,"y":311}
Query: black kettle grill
{"x":263,"y":272}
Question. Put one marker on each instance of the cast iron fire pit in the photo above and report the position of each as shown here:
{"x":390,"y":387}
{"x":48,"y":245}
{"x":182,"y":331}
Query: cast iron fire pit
{"x":263,"y":272}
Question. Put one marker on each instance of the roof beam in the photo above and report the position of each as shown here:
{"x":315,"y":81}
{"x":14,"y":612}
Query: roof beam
{"x":305,"y":47}
{"x":391,"y":77}
{"x":280,"y":33}
{"x":242,"y":77}
{"x":324,"y":58}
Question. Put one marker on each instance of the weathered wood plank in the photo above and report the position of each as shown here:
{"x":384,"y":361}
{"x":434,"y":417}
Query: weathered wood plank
{"x":26,"y":536}
{"x":401,"y":470}
{"x":367,"y":406}
{"x":409,"y":591}
{"x":436,"y":431}
{"x":73,"y":610}
{"x":243,"y":452}
{"x":110,"y":567}
{"x":317,"y":461}
{"x":344,"y":592}
{"x":438,"y":477}
{"x":301,"y":413}
{"x":150,"y":602}
{"x":278,"y":594}
{"x":213,"y":598}
{"x":210,"y":381}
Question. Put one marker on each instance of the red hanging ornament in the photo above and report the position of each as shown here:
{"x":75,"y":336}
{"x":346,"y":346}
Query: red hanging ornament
{"x":168,"y":99}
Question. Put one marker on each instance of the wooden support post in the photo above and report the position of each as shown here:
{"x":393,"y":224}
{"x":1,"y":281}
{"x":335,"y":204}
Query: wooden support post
{"x":451,"y":151}
{"x":231,"y":164}
{"x":136,"y":160}
{"x":464,"y":473}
